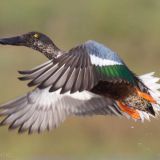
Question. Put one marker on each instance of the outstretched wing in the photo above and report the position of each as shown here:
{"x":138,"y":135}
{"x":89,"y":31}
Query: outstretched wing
{"x":80,"y":69}
{"x":41,"y":110}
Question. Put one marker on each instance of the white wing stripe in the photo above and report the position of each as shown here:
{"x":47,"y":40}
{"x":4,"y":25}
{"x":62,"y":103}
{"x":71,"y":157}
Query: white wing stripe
{"x":103,"y":62}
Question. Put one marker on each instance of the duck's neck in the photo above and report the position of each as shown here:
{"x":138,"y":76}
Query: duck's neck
{"x":50,"y":51}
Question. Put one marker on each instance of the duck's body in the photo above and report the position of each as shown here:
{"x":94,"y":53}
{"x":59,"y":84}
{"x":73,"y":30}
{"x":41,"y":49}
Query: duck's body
{"x":88,"y":79}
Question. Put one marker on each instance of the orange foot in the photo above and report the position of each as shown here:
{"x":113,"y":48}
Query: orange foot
{"x":132,"y":112}
{"x":145,"y":96}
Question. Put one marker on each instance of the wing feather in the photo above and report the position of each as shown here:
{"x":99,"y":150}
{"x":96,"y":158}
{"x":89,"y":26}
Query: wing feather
{"x":36,"y":68}
{"x":81,"y":68}
{"x":43,"y":110}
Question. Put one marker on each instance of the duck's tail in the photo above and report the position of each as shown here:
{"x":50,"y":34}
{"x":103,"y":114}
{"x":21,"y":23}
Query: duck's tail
{"x":152,"y":84}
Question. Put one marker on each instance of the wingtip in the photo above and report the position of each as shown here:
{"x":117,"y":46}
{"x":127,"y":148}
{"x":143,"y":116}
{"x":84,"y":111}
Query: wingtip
{"x":22,"y":72}
{"x":22,"y":130}
{"x":12,"y":127}
{"x":31,"y":84}
{"x":23,"y":78}
{"x":2,"y":123}
{"x":25,"y":72}
{"x":52,"y":89}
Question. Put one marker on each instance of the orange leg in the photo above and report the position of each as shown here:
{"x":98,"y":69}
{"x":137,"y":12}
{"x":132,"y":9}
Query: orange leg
{"x":132,"y":112}
{"x":145,"y":96}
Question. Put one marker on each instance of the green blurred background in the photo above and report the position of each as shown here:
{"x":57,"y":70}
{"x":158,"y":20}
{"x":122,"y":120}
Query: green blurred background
{"x":129,"y":27}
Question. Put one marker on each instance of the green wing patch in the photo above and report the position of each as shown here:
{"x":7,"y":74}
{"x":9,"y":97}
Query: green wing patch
{"x":116,"y":71}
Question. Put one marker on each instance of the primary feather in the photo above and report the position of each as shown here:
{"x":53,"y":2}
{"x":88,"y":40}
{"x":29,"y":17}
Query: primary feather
{"x":80,"y":69}
{"x":40,"y":110}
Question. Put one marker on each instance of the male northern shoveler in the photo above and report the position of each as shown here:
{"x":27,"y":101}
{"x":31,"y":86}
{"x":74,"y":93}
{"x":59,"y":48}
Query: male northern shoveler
{"x":89,"y":79}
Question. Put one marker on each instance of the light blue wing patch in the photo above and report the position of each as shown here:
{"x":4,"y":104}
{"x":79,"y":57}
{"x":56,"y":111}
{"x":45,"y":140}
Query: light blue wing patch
{"x":101,"y":51}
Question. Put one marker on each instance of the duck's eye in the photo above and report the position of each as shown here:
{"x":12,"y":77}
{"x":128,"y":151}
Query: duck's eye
{"x":36,"y":35}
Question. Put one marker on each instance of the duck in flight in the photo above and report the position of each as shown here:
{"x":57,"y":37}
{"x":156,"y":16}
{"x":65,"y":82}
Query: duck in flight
{"x":89,"y":79}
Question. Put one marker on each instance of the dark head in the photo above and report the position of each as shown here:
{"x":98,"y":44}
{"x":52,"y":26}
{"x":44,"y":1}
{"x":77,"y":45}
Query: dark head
{"x":34,"y":40}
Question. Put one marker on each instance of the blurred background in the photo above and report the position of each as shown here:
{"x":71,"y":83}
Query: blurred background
{"x":129,"y":27}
